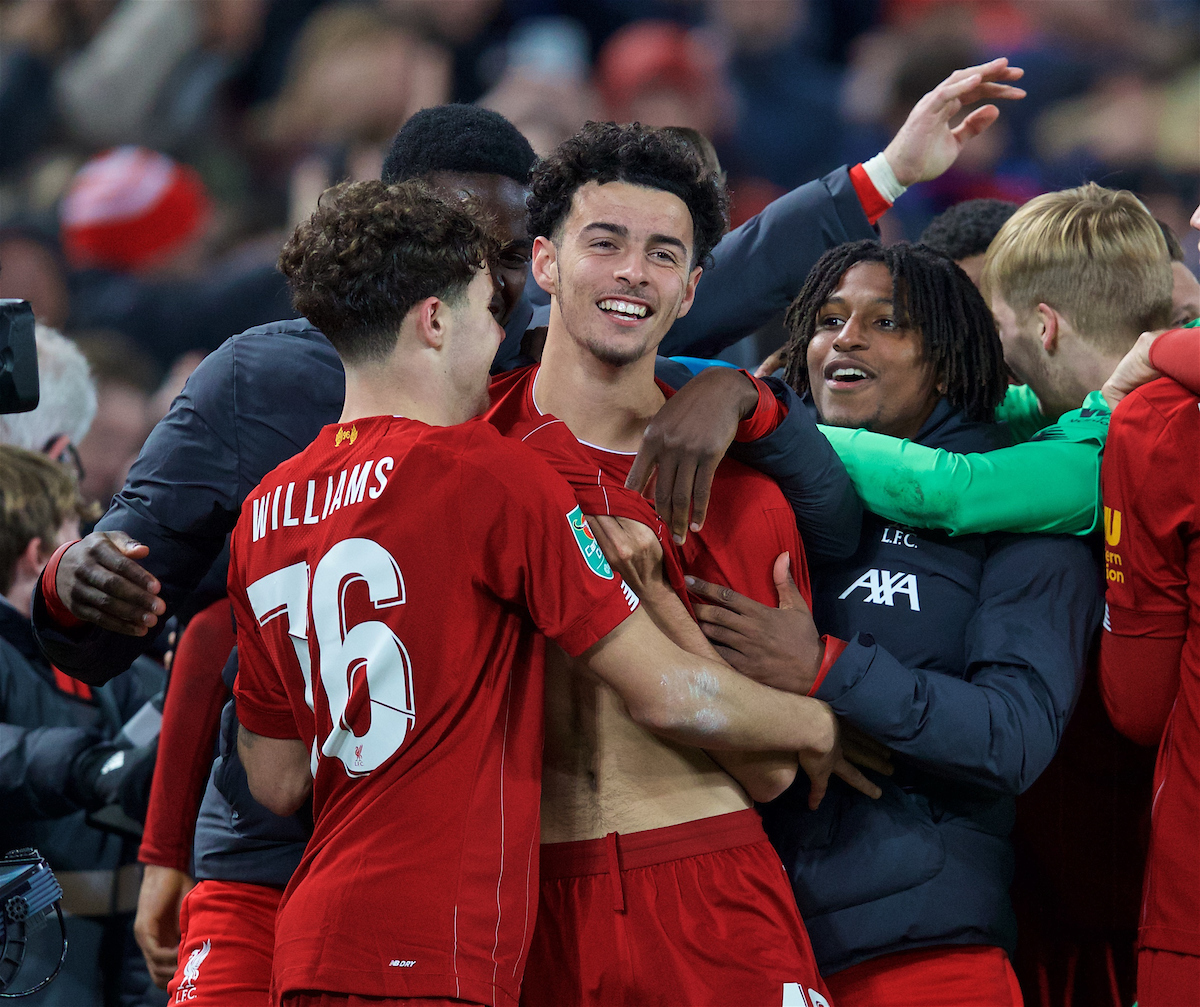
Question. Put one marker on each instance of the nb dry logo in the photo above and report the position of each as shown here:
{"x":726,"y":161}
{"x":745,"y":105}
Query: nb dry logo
{"x":882,"y":586}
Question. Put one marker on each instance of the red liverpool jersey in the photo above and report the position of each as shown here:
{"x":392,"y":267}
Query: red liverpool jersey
{"x":749,"y":521}
{"x":389,"y":584}
{"x":1151,"y":480}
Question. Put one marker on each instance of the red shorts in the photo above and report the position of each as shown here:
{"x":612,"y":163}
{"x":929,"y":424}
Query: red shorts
{"x":698,"y":913}
{"x":1167,"y":979}
{"x":970,"y":975}
{"x":226,"y":942}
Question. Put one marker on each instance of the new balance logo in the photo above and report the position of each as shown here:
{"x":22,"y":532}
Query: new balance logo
{"x":793,"y":996}
{"x":883,"y":586}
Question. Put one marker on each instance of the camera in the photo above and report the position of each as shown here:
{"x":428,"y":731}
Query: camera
{"x":18,"y":357}
{"x":29,"y":896}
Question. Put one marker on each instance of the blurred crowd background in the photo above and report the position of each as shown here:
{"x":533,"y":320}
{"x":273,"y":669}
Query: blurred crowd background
{"x":154,"y":154}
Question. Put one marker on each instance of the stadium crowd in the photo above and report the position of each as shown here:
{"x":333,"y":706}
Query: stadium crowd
{"x":659,"y":503}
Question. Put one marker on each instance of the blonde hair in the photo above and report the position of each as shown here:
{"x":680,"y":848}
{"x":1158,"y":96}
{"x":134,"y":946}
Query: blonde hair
{"x":1096,"y":255}
{"x":36,"y":497}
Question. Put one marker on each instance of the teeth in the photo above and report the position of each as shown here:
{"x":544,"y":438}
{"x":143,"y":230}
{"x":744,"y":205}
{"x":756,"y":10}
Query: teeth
{"x":624,"y":308}
{"x":845,"y":373}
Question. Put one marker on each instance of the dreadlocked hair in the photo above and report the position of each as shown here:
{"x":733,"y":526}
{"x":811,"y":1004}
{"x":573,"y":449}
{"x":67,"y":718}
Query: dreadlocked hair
{"x":932,"y":295}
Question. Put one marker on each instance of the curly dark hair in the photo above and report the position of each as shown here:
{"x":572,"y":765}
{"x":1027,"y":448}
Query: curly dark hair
{"x":460,"y":138}
{"x":931,"y":294}
{"x":605,"y":152}
{"x":967,"y":228}
{"x":372,"y":251}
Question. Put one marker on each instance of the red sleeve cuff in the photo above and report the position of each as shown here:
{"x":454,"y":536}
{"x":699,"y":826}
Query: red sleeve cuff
{"x":873,"y":204}
{"x":58,"y":611}
{"x":767,"y":415}
{"x":833,"y":650}
{"x":1177,"y":355}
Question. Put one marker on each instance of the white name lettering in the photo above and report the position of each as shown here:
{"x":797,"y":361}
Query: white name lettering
{"x":352,"y":488}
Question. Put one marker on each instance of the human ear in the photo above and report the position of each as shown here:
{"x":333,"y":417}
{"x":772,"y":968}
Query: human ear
{"x":689,"y":292}
{"x":430,"y":322}
{"x":1048,"y":328}
{"x":32,"y":559}
{"x":544,"y":265}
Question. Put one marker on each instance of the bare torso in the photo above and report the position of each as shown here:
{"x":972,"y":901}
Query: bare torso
{"x":603,"y":773}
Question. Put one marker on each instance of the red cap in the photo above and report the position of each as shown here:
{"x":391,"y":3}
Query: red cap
{"x":645,"y":54}
{"x":129,"y":208}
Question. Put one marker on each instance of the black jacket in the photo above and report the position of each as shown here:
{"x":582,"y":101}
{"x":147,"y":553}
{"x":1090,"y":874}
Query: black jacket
{"x":42,"y":731}
{"x":966,"y":657}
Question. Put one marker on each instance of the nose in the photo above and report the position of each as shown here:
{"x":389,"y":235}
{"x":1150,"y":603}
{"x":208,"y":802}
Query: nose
{"x":852,"y":335}
{"x":630,"y":269}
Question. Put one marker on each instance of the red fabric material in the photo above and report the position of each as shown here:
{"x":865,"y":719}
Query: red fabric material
{"x":130,"y":208}
{"x":420,"y":876}
{"x":515,"y":414}
{"x":1167,"y":979}
{"x":227,"y":932}
{"x":1176,"y":354}
{"x":1139,"y":679}
{"x":833,"y":650}
{"x":767,"y":415}
{"x":353,"y":1000}
{"x":715,"y":884}
{"x":1151,"y":487}
{"x":1080,"y":846}
{"x":749,"y":522}
{"x":873,"y":204}
{"x":58,"y":611}
{"x":966,"y":976}
{"x":191,"y":720}
{"x":71,"y":686}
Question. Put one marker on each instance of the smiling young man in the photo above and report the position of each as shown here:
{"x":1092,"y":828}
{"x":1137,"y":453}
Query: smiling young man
{"x":351,"y":685}
{"x":648,"y":847}
{"x":965,"y":654}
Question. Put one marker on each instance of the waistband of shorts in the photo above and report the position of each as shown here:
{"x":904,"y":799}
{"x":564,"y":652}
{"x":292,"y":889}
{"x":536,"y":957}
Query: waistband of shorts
{"x":653,"y":846}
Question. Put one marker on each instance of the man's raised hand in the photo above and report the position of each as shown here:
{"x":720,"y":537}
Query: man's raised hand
{"x":99,"y":582}
{"x":926,"y":145}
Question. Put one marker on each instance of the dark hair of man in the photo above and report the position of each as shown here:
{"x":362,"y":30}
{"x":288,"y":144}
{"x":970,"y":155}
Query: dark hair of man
{"x":967,"y":228}
{"x":36,"y":496}
{"x":604,"y":152}
{"x":1174,"y":248}
{"x":459,"y":138}
{"x":930,"y":293}
{"x":372,"y":252}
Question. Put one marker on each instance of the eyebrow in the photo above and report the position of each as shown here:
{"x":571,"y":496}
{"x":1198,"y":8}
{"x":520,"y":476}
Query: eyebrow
{"x":623,"y":232}
{"x":878,"y":300}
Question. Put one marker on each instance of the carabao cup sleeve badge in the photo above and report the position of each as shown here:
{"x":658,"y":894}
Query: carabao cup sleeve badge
{"x":588,"y":545}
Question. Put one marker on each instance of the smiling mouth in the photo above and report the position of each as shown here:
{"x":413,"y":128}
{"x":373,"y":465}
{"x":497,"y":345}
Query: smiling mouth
{"x":624,"y":311}
{"x":846,"y":376}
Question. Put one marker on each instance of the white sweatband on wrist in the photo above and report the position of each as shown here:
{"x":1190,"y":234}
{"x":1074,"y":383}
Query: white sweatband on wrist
{"x":883,"y":178}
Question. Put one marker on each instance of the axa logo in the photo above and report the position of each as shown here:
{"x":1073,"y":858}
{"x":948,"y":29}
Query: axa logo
{"x":343,"y":435}
{"x":882,"y":586}
{"x":191,"y":972}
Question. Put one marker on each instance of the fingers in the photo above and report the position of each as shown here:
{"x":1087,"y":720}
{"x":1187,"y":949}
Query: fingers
{"x":818,"y":785}
{"x":128,"y":545}
{"x":844,"y":771}
{"x":725,"y":596}
{"x":772,"y":363}
{"x":642,"y":468}
{"x":860,"y":755}
{"x":702,"y":491}
{"x":674,"y":500}
{"x":785,"y":587}
{"x":976,"y":122}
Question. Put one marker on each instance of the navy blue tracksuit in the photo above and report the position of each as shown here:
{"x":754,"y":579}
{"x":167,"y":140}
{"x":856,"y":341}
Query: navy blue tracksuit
{"x":966,"y":657}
